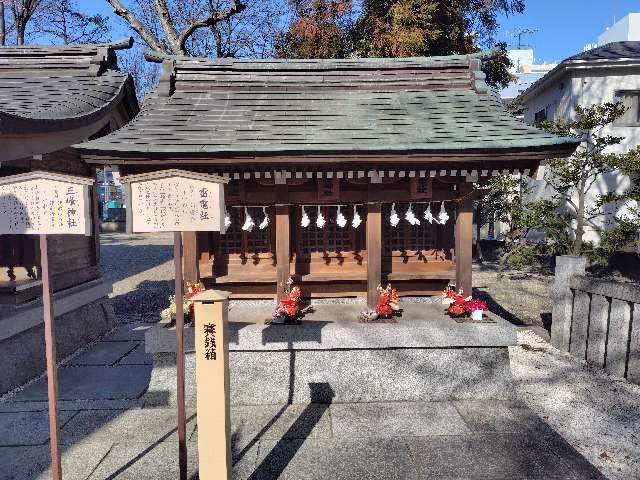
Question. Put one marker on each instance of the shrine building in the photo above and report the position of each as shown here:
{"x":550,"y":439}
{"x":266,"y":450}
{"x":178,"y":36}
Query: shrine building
{"x":343,"y":174}
{"x":50,"y":98}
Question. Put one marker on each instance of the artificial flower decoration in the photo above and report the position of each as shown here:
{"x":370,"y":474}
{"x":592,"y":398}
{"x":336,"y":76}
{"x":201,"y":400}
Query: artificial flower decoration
{"x":192,"y":289}
{"x":443,"y":216}
{"x":428,"y":216}
{"x":265,"y":220}
{"x":248,"y":221}
{"x":410,"y":217}
{"x":320,"y":221}
{"x":475,"y":305}
{"x":341,"y":220}
{"x":388,"y":301}
{"x":356,"y":220}
{"x":394,"y":219}
{"x":289,"y":307}
{"x":305,"y":221}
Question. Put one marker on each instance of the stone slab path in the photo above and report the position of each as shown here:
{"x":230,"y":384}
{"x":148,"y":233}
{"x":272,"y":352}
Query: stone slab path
{"x":107,"y":434}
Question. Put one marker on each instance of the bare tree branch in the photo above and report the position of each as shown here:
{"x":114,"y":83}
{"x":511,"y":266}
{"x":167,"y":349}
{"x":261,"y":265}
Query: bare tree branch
{"x":217,"y":16}
{"x":137,"y":25}
{"x":167,"y":24}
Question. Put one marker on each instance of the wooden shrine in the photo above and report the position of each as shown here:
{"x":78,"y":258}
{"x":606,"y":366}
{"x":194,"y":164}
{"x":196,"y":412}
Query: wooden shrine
{"x":368,"y":136}
{"x":52,"y":97}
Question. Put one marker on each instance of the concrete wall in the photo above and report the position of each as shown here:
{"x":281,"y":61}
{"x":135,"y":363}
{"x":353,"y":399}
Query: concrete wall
{"x":597,"y":320}
{"x":560,"y":98}
{"x":83,"y":314}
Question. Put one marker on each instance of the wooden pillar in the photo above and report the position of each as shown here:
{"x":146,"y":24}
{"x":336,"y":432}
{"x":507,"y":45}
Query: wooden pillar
{"x":190,"y":257}
{"x":464,"y":242}
{"x":283,"y":252}
{"x":374,"y":252}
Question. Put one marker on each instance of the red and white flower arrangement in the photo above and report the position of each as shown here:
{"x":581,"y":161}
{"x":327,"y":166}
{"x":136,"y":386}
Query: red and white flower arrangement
{"x":192,"y":289}
{"x":387,"y":305}
{"x":460,"y":306}
{"x":288,"y":308}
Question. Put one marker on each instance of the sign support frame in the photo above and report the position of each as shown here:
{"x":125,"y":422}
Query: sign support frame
{"x":52,"y":371}
{"x":180,"y":375}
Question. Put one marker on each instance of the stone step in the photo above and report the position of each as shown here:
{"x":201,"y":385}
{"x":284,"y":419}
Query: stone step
{"x":424,"y":357}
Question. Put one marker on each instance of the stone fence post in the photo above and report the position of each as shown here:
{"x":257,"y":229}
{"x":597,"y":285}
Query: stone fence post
{"x":566,"y":267}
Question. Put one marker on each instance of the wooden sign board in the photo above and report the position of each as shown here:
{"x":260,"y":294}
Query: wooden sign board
{"x":45,"y":203}
{"x":174,"y":201}
{"x":212,"y":383}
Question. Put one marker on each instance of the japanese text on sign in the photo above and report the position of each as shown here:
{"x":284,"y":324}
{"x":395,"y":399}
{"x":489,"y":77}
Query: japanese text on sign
{"x":176,"y":204}
{"x":210,"y":341}
{"x":44,"y":206}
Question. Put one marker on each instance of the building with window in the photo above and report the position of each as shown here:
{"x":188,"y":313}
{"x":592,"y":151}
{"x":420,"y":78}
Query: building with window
{"x":603,"y":74}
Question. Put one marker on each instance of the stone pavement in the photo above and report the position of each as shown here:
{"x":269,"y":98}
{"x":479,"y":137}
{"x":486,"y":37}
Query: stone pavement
{"x":108,"y":434}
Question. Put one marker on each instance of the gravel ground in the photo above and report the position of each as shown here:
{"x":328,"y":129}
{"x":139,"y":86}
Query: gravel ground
{"x":141,"y":269}
{"x":597,"y":414}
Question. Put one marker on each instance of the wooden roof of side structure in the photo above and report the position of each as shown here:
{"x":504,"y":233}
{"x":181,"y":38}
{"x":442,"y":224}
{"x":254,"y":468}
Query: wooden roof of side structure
{"x":239,"y":111}
{"x":53,"y":96}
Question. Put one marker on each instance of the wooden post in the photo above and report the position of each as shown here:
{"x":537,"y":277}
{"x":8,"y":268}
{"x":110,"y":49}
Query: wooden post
{"x":212,"y":381}
{"x":52,"y":374}
{"x":283,"y":254}
{"x":182,"y":417}
{"x":190,"y":257}
{"x":374,"y":252}
{"x":464,"y":242}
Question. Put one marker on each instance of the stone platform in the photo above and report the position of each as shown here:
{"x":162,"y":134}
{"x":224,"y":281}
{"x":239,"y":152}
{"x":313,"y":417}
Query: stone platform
{"x":426,"y":356}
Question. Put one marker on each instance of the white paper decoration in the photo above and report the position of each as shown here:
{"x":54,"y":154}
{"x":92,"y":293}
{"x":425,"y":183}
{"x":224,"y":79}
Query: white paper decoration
{"x":394,"y":219}
{"x":356,"y":221}
{"x":305,"y":221}
{"x":248,"y":221}
{"x":410,"y":217}
{"x":265,"y":220}
{"x":341,"y":219}
{"x":442,"y":216}
{"x":227,"y":222}
{"x":428,"y":216}
{"x":320,"y":221}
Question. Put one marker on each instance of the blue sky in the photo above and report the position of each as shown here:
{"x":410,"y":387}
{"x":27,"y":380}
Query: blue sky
{"x":565,"y":26}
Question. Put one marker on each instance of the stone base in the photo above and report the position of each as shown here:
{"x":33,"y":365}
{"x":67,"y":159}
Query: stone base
{"x":23,"y":352}
{"x":271,"y":377}
{"x":415,"y":360}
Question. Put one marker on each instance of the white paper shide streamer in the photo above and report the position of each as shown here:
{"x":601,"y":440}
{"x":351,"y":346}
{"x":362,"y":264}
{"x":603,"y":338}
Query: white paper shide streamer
{"x":356,"y":220}
{"x":394,"y":219}
{"x":320,"y":221}
{"x":248,"y":221}
{"x":227,"y":222}
{"x":265,"y":221}
{"x":410,"y":217}
{"x":341,"y":220}
{"x":428,"y":216}
{"x":305,"y":221}
{"x":443,"y":216}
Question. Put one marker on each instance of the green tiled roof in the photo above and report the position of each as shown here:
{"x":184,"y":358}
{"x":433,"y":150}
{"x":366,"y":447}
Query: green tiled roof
{"x":206,"y":107}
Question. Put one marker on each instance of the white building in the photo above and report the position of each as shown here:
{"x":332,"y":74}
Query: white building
{"x":603,"y":74}
{"x":625,"y":30}
{"x":526,"y":72}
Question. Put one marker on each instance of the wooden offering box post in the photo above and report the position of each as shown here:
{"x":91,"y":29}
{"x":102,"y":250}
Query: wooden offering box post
{"x":44,"y":203}
{"x":212,"y":380}
{"x":176,"y":201}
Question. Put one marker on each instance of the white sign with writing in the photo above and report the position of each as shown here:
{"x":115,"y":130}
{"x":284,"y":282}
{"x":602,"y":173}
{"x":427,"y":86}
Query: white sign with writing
{"x":45,"y":203}
{"x":179,"y":203}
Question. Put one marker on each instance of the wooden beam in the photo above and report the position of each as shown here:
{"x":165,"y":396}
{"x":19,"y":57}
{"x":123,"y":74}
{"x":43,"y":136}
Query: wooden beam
{"x":374,"y":252}
{"x":190,"y":261}
{"x":283,"y":254}
{"x":464,"y":240}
